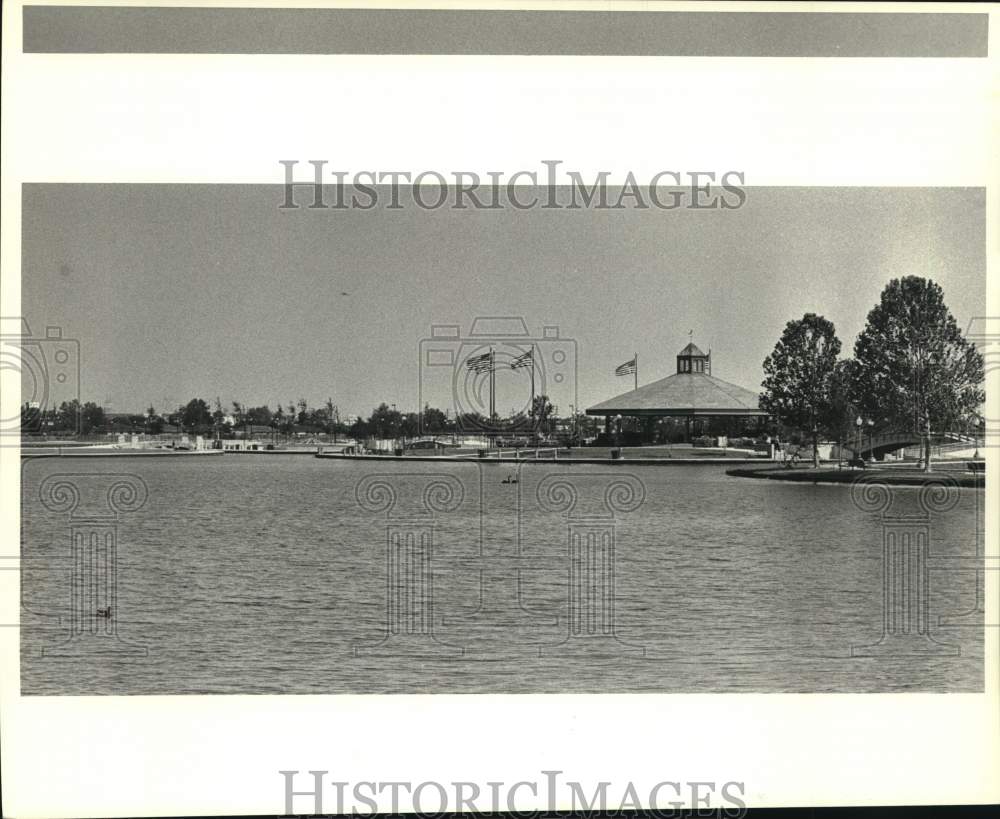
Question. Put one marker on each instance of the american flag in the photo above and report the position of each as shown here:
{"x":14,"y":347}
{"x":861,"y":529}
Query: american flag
{"x":625,"y":369}
{"x":480,"y":363}
{"x":522,"y":360}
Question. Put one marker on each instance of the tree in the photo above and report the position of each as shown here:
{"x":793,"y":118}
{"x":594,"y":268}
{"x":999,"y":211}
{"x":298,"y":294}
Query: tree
{"x":258,"y":416}
{"x":541,"y":410}
{"x":359,"y":429}
{"x":409,"y":425}
{"x":385,"y":422}
{"x":433,"y":420}
{"x":332,"y":417}
{"x":218,"y":416}
{"x":796,"y":388}
{"x":31,"y":418}
{"x":916,"y":372}
{"x":841,"y":409}
{"x":195,"y":415}
{"x":153,"y":423}
{"x":68,"y":417}
{"x":91,"y":417}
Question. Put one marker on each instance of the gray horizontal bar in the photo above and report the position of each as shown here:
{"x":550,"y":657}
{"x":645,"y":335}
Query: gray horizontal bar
{"x":132,"y":30}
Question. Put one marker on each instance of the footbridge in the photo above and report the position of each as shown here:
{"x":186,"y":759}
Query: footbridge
{"x":878,"y":446}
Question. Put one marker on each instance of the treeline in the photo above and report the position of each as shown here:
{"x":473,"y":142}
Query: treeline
{"x":195,"y":417}
{"x":388,"y":422}
{"x":68,"y":417}
{"x":912,"y":371}
{"x":198,"y":417}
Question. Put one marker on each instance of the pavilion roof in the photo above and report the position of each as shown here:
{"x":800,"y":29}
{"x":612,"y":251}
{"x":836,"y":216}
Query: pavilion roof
{"x":683,"y":394}
{"x":691,"y":349}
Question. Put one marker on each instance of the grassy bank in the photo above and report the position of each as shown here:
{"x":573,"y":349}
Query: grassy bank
{"x":830,"y":474}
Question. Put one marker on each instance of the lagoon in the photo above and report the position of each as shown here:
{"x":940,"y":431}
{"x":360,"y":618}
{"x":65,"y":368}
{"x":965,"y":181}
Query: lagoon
{"x":246,"y":575}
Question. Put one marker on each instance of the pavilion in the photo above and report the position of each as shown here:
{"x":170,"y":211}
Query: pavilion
{"x":691,"y":393}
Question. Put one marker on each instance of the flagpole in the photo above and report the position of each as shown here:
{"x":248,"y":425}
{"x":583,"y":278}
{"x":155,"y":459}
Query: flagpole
{"x":636,"y":370}
{"x":493,"y":384}
{"x":532,"y":380}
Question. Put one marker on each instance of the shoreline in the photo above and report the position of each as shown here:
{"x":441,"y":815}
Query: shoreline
{"x":832,"y":475}
{"x":472,"y":459}
{"x":85,"y":452}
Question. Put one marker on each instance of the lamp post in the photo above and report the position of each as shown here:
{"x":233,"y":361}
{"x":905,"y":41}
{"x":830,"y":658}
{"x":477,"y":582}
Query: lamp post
{"x":859,"y":421}
{"x":871,"y":427}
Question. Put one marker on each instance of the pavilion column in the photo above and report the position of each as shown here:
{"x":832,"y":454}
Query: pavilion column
{"x":647,"y":431}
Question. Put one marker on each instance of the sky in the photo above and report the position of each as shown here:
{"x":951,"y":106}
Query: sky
{"x":182,"y":291}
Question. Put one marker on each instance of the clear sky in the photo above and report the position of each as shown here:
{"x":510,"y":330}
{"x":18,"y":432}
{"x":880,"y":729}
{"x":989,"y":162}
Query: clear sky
{"x":181,"y":291}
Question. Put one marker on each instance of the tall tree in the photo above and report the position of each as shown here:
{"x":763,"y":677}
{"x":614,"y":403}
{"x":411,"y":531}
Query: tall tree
{"x":68,"y":418}
{"x":218,"y":416}
{"x":541,"y":411}
{"x":433,"y":419}
{"x":385,"y":421}
{"x":797,"y":374}
{"x":196,"y":415}
{"x":916,"y":372}
{"x":841,"y":410}
{"x":91,"y":417}
{"x":31,"y":418}
{"x":332,"y":416}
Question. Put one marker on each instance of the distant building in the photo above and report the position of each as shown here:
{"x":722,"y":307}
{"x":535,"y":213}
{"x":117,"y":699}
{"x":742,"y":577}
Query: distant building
{"x":251,"y":430}
{"x":691,"y":393}
{"x":242,"y":445}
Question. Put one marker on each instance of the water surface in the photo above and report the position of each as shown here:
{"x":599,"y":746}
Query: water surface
{"x":244,"y":574}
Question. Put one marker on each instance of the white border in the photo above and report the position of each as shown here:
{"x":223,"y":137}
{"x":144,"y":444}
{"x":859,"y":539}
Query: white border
{"x":805,"y":122}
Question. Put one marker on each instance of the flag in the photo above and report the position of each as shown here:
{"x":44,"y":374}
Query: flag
{"x":625,"y":369}
{"x":522,"y":360}
{"x":480,"y":363}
